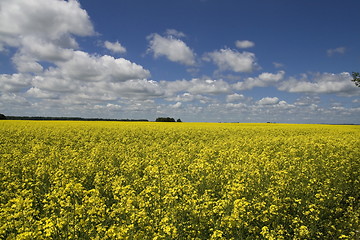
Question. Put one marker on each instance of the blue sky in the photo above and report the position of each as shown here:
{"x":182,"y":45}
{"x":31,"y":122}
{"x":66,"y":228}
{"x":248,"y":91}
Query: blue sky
{"x":198,"y":60}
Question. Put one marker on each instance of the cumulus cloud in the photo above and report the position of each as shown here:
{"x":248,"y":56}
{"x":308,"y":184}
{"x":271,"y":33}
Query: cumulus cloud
{"x":111,"y":106}
{"x":208,"y":86}
{"x":176,"y":105}
{"x":234,"y":97}
{"x":11,"y":83}
{"x":47,"y":19}
{"x":307,"y":100}
{"x":115,"y":47}
{"x":43,"y":50}
{"x":171,"y":47}
{"x":185,"y":97}
{"x":190,"y":97}
{"x":137,"y":89}
{"x":35,"y":50}
{"x":320,"y":83}
{"x":14,"y":100}
{"x":26,"y":63}
{"x":228,"y":59}
{"x":244,"y":44}
{"x":50,"y":67}
{"x":269,"y":101}
{"x":263,"y":80}
{"x":198,"y":86}
{"x":42,"y":31}
{"x":86,"y":67}
{"x":38,"y":93}
{"x":88,"y":77}
{"x":53,"y":81}
{"x":236,"y":106}
{"x":333,"y":51}
{"x":175,"y":33}
{"x":271,"y":77}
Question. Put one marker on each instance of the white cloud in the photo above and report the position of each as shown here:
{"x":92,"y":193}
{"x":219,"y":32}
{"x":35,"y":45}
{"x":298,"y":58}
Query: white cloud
{"x":184,"y":97}
{"x":271,"y":77}
{"x":84,"y":77}
{"x":43,"y":50}
{"x":188,"y":97}
{"x":42,"y":30}
{"x":269,"y":101}
{"x":53,"y":81}
{"x":14,"y":100}
{"x":175,"y":33}
{"x":173,"y":87}
{"x":14,"y":83}
{"x":176,"y":105}
{"x":333,"y":51}
{"x":26,"y":64}
{"x":307,"y":100}
{"x":234,"y":97}
{"x":38,"y":93}
{"x":321,"y":83}
{"x":208,"y":86}
{"x":85,"y":67}
{"x":236,"y":106}
{"x":244,"y":44}
{"x":284,"y":105}
{"x":197,"y":86}
{"x":263,"y":80}
{"x":228,"y":59}
{"x":115,"y":47}
{"x":172,"y":48}
{"x":95,"y":95}
{"x":136,"y":89}
{"x":34,"y":50}
{"x":111,"y":106}
{"x":46,"y":19}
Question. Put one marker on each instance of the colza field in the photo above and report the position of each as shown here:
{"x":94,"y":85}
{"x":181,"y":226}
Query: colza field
{"x":126,"y":180}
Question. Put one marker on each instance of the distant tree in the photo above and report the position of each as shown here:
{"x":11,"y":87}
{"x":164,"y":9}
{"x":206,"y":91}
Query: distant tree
{"x":165,"y":119}
{"x":356,"y":78}
{"x":179,"y":120}
{"x":2,"y":116}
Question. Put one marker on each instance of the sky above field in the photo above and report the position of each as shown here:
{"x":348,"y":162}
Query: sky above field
{"x":198,"y":60}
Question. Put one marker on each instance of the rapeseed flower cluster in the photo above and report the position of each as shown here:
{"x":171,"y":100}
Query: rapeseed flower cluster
{"x":117,"y":180}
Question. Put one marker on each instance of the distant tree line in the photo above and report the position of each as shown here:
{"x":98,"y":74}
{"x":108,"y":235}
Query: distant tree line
{"x":167,"y":119}
{"x":159,"y":119}
{"x":2,"y":116}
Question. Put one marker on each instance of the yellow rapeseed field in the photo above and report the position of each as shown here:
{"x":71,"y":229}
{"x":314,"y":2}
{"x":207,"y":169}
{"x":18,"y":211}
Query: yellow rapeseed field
{"x":127,"y":180}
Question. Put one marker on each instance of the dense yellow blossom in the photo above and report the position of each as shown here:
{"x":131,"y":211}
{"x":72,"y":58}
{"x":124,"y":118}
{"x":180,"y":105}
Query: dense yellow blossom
{"x":123,"y":180}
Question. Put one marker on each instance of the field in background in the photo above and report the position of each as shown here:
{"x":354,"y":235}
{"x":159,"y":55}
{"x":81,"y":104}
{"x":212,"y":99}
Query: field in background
{"x":124,"y":180}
